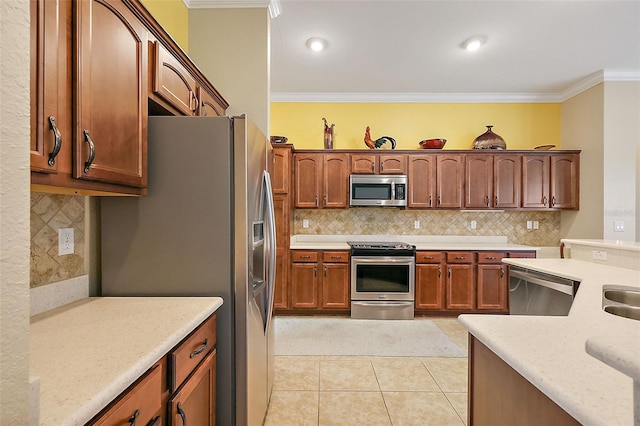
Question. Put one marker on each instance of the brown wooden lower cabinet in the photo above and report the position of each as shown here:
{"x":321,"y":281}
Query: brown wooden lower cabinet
{"x":499,"y":395}
{"x":429,"y":281}
{"x":320,"y":280}
{"x":492,"y":287}
{"x":181,"y":385}
{"x":460,"y":282}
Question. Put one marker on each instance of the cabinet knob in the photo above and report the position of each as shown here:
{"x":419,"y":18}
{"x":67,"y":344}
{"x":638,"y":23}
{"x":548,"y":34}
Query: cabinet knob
{"x":57,"y":141}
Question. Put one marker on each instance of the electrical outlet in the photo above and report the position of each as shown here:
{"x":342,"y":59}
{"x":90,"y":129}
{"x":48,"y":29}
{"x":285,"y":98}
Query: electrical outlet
{"x":305,"y":223}
{"x":65,"y":241}
{"x":599,"y":254}
{"x":416,"y":224}
{"x":529,"y":224}
{"x":536,"y":224}
{"x":618,"y":226}
{"x":474,"y":224}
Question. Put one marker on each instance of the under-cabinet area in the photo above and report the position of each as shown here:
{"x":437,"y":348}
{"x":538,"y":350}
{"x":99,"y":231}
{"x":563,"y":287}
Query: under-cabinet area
{"x":151,"y":360}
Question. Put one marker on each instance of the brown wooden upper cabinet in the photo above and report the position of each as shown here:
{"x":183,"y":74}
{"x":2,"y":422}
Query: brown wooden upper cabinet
{"x":550,"y":181}
{"x":172,"y":81}
{"x":383,"y":164}
{"x":321,"y":180}
{"x":435,"y":181}
{"x":110,"y":94}
{"x":281,"y":169}
{"x":91,"y":72}
{"x":492,"y":181}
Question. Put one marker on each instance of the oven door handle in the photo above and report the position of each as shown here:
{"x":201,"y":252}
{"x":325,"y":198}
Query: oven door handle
{"x":382,"y":259}
{"x":384,"y":303}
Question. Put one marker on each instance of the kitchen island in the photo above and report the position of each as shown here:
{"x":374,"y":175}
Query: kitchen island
{"x":86,"y":353}
{"x":549,"y":352}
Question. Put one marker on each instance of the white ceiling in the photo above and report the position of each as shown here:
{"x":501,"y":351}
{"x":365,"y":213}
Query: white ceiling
{"x":410,"y":50}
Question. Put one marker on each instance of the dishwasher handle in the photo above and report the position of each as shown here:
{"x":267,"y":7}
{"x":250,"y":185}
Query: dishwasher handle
{"x":560,"y":284}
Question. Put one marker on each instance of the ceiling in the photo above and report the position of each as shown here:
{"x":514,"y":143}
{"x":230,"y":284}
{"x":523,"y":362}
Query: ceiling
{"x":408,"y":51}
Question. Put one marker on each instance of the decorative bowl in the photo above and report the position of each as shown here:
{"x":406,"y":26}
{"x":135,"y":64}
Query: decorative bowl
{"x":433,"y":143}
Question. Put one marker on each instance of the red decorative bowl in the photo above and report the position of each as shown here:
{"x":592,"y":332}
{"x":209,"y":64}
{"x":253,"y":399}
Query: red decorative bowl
{"x":433,"y":143}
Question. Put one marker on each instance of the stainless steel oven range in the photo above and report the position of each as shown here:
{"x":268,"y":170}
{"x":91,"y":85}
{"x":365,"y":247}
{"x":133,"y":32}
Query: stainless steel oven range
{"x":382,"y":280}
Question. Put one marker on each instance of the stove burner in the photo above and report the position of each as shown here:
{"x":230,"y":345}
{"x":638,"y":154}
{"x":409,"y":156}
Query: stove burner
{"x":366,"y":248}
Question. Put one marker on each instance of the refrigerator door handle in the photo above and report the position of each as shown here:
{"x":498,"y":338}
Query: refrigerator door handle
{"x":270,"y":245}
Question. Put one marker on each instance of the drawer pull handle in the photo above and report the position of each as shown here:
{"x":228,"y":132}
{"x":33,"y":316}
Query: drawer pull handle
{"x":92,"y":151}
{"x":200,"y":349}
{"x":492,"y":258}
{"x":57,"y":141}
{"x":336,"y":257}
{"x":428,"y":257}
{"x":305,"y":257}
{"x":133,"y":418}
{"x":156,"y":421}
{"x":459,"y":257}
{"x":183,"y":415}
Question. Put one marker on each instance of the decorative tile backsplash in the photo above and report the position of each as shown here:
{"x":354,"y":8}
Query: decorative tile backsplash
{"x":371,"y":221}
{"x":49,"y":213}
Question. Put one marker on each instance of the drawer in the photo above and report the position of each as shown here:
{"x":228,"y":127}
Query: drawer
{"x":142,"y":403}
{"x":428,"y":257}
{"x":185,"y":357}
{"x":491,"y":256}
{"x":460,"y":257}
{"x":335,"y":257}
{"x":523,"y":254}
{"x":304,"y":256}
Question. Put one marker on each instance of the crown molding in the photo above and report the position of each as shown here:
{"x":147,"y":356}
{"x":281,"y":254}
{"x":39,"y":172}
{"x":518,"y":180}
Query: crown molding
{"x":346,"y":97}
{"x":341,"y":97}
{"x":203,"y":4}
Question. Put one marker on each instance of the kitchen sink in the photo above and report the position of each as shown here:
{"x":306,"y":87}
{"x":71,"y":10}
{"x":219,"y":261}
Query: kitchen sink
{"x":621,"y":301}
{"x":623,"y":311}
{"x":627,"y":297}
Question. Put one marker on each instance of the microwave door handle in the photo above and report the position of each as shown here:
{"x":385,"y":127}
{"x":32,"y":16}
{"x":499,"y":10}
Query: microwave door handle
{"x":393,"y":191}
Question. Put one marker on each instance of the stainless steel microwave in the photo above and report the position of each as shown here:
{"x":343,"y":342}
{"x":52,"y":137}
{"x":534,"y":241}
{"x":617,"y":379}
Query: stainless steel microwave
{"x":378,"y":190}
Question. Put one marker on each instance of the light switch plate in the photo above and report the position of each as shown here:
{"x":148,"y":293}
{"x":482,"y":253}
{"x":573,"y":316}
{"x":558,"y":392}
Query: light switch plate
{"x":305,"y":223}
{"x":65,"y":241}
{"x":618,"y":226}
{"x":416,"y":224}
{"x":474,"y":224}
{"x":599,"y":254}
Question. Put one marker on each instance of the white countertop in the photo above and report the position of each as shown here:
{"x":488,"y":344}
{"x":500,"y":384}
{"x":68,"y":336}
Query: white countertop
{"x":550,"y":351}
{"x":422,"y":242}
{"x":86,"y":353}
{"x":612,"y":244}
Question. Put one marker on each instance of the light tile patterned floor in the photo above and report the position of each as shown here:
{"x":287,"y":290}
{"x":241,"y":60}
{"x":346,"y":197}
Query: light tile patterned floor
{"x":356,"y":390}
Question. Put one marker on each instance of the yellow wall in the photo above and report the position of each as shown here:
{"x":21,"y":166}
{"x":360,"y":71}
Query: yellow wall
{"x":522,"y":125}
{"x":173,"y":15}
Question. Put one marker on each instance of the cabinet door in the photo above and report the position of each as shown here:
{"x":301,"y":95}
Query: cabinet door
{"x":280,"y":170}
{"x":308,"y":180}
{"x":208,"y":105}
{"x":304,"y":285}
{"x":449,"y":173}
{"x":507,"y":175}
{"x":422,"y":181}
{"x":281,"y":291}
{"x":492,"y":287}
{"x":535,"y":181}
{"x":363,"y":164}
{"x":478,"y":181}
{"x":172,"y":82}
{"x":195,"y":401}
{"x":335,"y":181}
{"x":335,"y":286}
{"x":564,"y":181}
{"x":110,"y":134}
{"x":393,"y":164}
{"x":50,"y":86}
{"x":141,"y":404}
{"x":460,"y":287}
{"x":429,"y":287}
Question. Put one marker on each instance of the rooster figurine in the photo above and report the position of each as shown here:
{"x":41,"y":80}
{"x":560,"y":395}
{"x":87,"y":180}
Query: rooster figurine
{"x":378,"y":142}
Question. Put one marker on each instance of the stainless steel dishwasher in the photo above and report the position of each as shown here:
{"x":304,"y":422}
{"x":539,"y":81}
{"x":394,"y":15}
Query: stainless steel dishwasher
{"x":536,"y":293}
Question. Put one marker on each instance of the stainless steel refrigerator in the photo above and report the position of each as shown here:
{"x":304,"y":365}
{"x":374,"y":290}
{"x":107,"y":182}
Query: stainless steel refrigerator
{"x":206,"y":228}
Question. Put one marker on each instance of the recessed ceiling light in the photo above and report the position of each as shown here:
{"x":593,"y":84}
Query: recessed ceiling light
{"x":317,"y":44}
{"x":474,"y":43}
